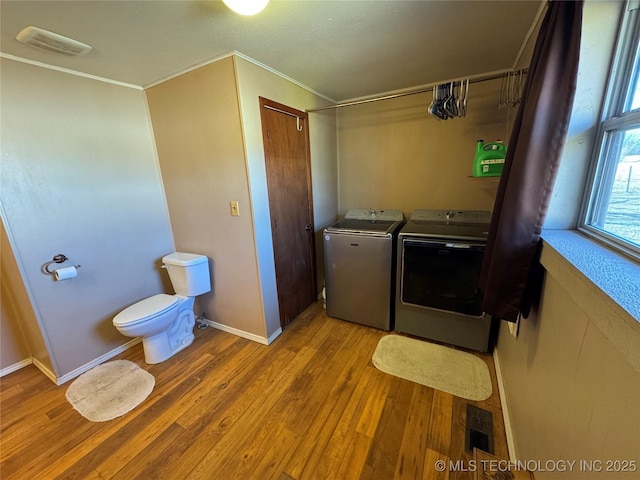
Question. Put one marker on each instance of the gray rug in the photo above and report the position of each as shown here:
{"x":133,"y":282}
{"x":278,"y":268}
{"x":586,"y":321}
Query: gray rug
{"x":110,"y":390}
{"x":443,"y":368}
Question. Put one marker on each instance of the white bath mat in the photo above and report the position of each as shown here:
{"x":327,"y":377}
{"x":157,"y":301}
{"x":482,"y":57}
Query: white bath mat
{"x":443,"y":368}
{"x":110,"y":390}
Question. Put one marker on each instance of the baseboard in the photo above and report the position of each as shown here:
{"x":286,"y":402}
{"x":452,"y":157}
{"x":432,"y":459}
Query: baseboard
{"x":109,"y":355}
{"x":242,"y":333}
{"x":47,"y":373}
{"x":505,"y":409}
{"x":273,"y":336}
{"x":15,"y":366}
{"x":94,"y":363}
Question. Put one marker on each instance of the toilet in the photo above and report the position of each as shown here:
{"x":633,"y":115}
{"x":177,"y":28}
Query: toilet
{"x":165,"y":322}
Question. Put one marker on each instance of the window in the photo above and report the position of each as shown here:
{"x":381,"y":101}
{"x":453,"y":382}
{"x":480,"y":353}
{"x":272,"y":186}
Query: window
{"x":612,"y":208}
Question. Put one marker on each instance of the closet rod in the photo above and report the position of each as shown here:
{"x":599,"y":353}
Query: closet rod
{"x":413,"y":92}
{"x":297,"y":117}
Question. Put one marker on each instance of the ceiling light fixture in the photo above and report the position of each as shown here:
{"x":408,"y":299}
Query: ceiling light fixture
{"x":246,"y":7}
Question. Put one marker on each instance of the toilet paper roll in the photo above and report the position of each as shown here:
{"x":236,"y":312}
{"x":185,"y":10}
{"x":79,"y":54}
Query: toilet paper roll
{"x":65,"y":273}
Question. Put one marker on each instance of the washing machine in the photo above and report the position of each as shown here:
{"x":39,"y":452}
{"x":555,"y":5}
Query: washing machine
{"x":360,"y":259}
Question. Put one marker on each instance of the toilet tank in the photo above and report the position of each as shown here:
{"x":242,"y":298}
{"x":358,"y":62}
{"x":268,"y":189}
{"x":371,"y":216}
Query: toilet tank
{"x":189,"y":273}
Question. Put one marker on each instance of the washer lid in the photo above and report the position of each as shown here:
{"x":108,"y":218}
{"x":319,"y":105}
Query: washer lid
{"x":145,"y":309}
{"x":351,"y":225}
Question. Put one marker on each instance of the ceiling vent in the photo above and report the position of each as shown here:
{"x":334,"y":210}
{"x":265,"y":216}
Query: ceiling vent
{"x":52,"y":42}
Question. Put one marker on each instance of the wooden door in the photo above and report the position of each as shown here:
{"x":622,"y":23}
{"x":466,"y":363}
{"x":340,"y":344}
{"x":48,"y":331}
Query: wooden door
{"x":285,"y":136}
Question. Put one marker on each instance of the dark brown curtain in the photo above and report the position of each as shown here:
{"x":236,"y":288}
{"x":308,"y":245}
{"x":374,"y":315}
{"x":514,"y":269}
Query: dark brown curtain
{"x":531,"y":164}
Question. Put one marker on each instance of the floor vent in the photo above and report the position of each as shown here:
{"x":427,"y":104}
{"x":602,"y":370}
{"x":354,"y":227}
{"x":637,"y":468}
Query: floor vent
{"x":478,"y":430}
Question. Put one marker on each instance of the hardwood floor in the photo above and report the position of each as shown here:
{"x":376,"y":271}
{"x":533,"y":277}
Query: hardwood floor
{"x":310,"y":406}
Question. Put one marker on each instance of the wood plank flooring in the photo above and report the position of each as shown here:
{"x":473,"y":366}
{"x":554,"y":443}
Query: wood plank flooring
{"x":310,"y":406}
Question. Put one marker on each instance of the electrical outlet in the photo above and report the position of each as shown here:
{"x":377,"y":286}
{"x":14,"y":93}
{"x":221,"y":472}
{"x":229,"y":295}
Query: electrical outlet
{"x":235,"y":209}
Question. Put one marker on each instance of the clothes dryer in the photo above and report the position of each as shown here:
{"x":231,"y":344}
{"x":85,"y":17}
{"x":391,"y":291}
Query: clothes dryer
{"x":440,"y":256}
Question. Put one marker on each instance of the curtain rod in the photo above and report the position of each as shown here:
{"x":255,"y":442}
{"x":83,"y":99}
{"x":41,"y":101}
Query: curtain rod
{"x":429,"y":88}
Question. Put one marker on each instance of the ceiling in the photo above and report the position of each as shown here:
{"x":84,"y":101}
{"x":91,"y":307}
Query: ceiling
{"x":342,"y":49}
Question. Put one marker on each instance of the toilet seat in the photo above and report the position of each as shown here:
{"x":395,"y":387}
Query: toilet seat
{"x":146,"y":310}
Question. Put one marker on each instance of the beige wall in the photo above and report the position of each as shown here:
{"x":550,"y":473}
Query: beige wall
{"x":196,"y":121}
{"x":571,"y":394}
{"x":255,"y":81}
{"x":15,"y":312}
{"x":80,"y":177}
{"x":13,"y":347}
{"x":393,"y":154}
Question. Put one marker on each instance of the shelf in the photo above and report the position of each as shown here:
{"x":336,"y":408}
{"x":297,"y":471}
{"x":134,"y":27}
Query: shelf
{"x":485,"y":179}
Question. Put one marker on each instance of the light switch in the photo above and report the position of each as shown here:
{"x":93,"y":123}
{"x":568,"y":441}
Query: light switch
{"x":235,"y":209}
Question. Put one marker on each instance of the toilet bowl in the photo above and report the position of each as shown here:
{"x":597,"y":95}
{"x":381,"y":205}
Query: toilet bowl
{"x":165,"y":322}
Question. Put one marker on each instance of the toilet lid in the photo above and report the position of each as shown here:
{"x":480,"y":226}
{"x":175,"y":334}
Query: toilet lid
{"x":145,"y":309}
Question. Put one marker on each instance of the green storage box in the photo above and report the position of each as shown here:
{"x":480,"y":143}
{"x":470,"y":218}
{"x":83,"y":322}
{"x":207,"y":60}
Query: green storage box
{"x":489,"y":159}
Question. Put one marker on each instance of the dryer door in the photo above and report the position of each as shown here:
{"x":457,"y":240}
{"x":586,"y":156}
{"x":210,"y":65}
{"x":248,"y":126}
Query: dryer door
{"x":442,"y":275}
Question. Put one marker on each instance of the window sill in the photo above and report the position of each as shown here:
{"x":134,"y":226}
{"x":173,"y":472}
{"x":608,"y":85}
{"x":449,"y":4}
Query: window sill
{"x":605,"y":284}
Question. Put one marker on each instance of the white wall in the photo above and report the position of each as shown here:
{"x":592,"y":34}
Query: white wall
{"x":255,"y":81}
{"x":80,"y":177}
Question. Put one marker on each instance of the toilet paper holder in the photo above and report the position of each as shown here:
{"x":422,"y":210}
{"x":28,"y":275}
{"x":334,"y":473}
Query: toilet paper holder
{"x":60,"y":258}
